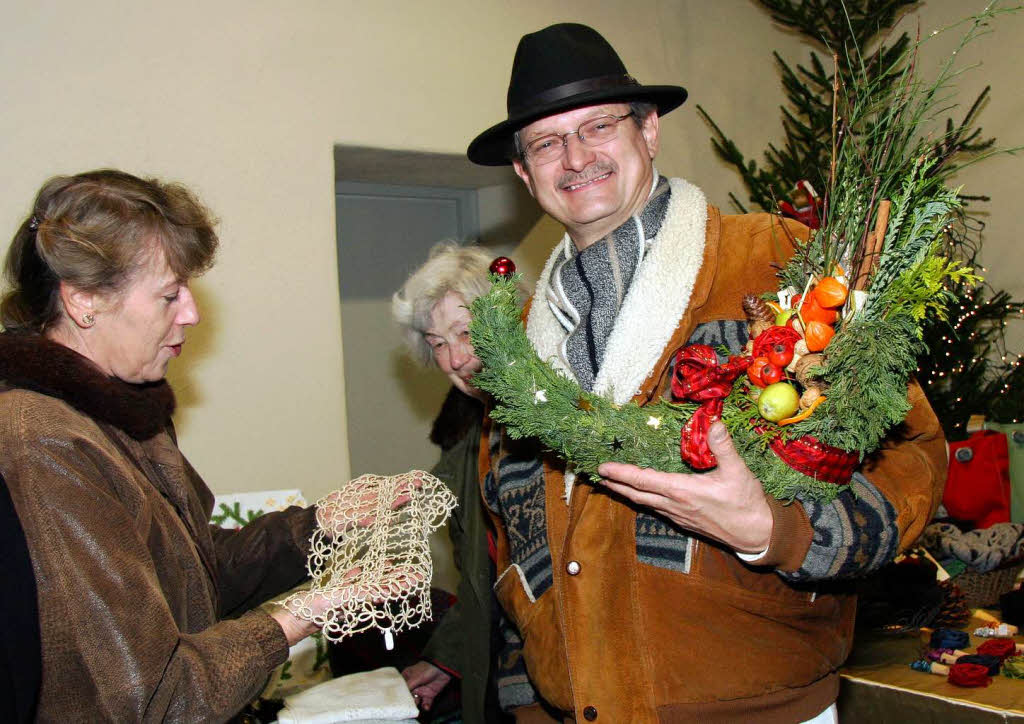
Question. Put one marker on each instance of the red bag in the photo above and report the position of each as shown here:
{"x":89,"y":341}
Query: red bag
{"x":978,"y":485}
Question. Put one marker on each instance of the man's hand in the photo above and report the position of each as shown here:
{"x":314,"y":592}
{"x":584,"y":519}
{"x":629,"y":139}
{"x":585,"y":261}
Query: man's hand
{"x":425,"y":681}
{"x":726,"y":504}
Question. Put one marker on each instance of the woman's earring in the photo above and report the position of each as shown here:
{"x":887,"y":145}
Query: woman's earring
{"x":88,"y":320}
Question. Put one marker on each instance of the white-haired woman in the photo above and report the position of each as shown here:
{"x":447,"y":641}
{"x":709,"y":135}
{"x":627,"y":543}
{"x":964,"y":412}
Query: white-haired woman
{"x":432,"y":307}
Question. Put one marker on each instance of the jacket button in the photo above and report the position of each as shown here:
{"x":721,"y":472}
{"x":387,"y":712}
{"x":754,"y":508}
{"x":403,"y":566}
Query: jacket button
{"x":573,"y":569}
{"x":589,"y":713}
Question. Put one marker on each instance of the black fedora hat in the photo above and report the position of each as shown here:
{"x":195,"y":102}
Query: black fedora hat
{"x":556,"y":69}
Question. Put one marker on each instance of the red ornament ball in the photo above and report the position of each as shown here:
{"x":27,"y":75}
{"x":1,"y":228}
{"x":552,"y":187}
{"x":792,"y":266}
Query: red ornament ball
{"x":503,"y":266}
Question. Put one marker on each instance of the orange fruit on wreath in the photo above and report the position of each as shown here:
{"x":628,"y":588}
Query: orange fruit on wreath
{"x":818,"y":335}
{"x":812,"y":311}
{"x":831,"y":293}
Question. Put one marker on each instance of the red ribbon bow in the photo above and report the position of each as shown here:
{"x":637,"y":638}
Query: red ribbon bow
{"x":815,"y":459}
{"x":969,"y":675}
{"x":698,"y":377}
{"x":1000,"y":648}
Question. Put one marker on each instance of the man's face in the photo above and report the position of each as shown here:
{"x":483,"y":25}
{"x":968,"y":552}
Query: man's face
{"x":592,"y":190}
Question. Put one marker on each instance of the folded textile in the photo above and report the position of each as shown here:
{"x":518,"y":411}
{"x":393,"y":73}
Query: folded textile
{"x":982,"y":550}
{"x":380,"y":695}
{"x":978,"y":482}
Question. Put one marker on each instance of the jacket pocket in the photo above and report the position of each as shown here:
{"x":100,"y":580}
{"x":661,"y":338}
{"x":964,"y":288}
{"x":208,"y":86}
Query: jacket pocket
{"x":783,"y":640}
{"x":721,"y":568}
{"x":543,"y":649}
{"x":515,"y":595}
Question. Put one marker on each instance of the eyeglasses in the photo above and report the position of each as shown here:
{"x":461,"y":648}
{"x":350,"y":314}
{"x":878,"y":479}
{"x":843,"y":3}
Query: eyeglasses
{"x":594,"y":132}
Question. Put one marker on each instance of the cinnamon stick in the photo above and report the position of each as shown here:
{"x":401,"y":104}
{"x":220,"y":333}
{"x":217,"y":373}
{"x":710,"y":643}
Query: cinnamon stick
{"x":874,"y":245}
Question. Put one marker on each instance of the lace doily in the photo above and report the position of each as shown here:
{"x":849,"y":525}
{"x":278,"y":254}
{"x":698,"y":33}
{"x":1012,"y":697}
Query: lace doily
{"x":370,"y":555}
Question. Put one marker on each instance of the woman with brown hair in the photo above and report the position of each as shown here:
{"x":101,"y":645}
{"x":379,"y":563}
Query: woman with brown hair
{"x":146,"y":612}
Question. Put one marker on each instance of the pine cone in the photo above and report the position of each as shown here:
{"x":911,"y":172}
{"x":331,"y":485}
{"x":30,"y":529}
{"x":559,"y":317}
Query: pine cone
{"x":757,"y":310}
{"x":954,"y":612}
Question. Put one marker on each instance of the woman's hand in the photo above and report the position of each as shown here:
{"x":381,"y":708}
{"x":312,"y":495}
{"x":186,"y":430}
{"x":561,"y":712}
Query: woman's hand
{"x":425,"y":681}
{"x":338,"y":512}
{"x":295,"y":628}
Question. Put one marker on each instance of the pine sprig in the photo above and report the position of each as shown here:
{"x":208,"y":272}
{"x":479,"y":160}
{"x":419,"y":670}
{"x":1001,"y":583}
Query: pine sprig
{"x":922,"y":292}
{"x":534,"y":400}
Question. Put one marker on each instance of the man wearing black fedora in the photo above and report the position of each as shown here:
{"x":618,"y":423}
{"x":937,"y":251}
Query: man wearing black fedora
{"x":646,"y":596}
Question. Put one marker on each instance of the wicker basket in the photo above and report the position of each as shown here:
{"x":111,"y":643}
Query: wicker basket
{"x":982,"y":590}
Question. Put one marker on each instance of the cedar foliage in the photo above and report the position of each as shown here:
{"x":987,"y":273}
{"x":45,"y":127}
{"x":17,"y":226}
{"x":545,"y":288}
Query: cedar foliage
{"x":963,"y":364}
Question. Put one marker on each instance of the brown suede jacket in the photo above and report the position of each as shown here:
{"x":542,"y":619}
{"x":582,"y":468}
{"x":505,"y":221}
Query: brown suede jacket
{"x":610,"y":637}
{"x":137,"y":592}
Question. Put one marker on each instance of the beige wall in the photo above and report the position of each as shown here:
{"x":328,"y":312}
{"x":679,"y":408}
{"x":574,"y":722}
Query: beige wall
{"x":245,"y":100}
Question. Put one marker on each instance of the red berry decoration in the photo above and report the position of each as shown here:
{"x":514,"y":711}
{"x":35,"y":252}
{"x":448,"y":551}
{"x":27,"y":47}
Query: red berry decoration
{"x":771,"y":374}
{"x":754,"y":371}
{"x":772,"y":336}
{"x":503,"y":266}
{"x":781,"y":354}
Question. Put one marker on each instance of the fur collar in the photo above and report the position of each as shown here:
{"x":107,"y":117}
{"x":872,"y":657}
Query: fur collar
{"x":33,"y":362}
{"x":656,"y":300}
{"x":459,"y":414}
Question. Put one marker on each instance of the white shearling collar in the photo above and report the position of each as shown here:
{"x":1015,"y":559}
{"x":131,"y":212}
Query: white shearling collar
{"x":654,"y":304}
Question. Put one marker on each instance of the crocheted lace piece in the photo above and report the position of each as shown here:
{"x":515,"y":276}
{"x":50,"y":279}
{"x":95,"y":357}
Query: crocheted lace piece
{"x":370,"y":554}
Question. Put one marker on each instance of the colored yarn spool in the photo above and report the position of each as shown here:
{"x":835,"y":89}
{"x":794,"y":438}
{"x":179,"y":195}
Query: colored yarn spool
{"x":992,"y":663}
{"x":937,"y":654}
{"x":1000,"y":648}
{"x":930,"y":667}
{"x":969,"y":675}
{"x":1013,"y":667}
{"x":949,"y":638}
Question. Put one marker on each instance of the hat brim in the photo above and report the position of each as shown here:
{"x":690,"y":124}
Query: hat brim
{"x":494,"y":147}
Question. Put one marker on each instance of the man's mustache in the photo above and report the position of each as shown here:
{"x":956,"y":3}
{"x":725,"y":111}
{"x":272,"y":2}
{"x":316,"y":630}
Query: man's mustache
{"x":599,"y":168}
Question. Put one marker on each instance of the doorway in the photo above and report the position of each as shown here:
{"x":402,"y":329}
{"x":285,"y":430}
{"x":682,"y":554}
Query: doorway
{"x":385,"y":231}
{"x":391,"y":208}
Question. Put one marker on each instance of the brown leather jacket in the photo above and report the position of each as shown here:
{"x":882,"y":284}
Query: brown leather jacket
{"x":137,"y":592}
{"x":618,"y":639}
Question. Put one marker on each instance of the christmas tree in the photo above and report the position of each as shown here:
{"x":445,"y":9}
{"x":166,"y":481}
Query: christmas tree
{"x":966,"y":369}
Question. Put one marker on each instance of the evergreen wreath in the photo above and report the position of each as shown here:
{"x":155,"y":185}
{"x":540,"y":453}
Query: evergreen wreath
{"x":884,"y":214}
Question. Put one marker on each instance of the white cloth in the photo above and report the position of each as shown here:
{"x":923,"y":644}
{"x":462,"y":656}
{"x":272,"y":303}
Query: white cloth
{"x":829,"y":716}
{"x":380,"y":695}
{"x":233,"y":510}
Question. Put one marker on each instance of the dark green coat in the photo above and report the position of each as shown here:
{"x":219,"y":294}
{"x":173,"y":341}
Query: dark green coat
{"x":462,"y":640}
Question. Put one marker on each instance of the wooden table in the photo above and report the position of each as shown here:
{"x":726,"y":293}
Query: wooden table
{"x":878,"y":687}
